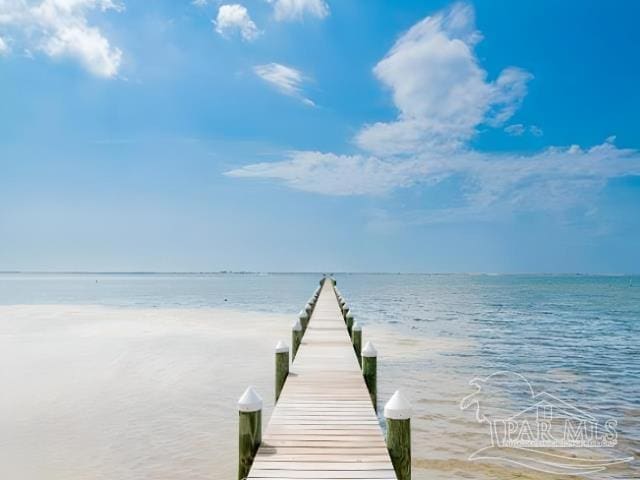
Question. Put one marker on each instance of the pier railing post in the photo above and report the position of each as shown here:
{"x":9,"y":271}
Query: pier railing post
{"x":296,"y":338}
{"x":282,"y":366}
{"x":369,"y":371}
{"x":309,"y":308}
{"x":350,"y":324}
{"x":357,"y":341}
{"x":303,"y":317}
{"x":345,"y":311}
{"x":397,"y":413}
{"x":250,"y":430}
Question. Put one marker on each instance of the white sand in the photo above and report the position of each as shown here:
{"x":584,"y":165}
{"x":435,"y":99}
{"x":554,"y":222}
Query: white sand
{"x":93,"y":392}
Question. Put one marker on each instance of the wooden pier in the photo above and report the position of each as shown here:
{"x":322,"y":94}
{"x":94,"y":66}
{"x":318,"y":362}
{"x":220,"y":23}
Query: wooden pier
{"x":324,"y":425}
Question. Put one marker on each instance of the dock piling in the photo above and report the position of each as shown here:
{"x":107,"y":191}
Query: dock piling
{"x":349,"y":319}
{"x":303,"y":317}
{"x":357,"y":341}
{"x":249,"y":431}
{"x":397,"y":413}
{"x":296,"y":338}
{"x":345,"y":311}
{"x":369,"y":371}
{"x":282,"y":366}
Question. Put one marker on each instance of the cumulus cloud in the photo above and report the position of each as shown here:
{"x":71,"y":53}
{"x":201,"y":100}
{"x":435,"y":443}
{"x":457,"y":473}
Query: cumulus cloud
{"x":235,"y":18}
{"x":441,"y":92}
{"x":286,"y":80}
{"x":60,"y":28}
{"x":288,"y":10}
{"x":443,"y":96}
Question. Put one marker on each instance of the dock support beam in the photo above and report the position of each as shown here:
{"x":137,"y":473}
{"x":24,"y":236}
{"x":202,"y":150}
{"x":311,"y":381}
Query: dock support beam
{"x":397,"y":413}
{"x":250,"y":430}
{"x":296,"y":338}
{"x":369,"y":371}
{"x":282,"y":366}
{"x":357,"y":341}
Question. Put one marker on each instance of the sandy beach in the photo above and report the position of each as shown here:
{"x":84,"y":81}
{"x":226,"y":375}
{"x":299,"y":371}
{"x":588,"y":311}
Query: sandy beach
{"x":94,"y":392}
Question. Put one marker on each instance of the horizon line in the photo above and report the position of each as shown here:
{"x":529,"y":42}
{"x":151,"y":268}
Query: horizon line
{"x":256,"y":272}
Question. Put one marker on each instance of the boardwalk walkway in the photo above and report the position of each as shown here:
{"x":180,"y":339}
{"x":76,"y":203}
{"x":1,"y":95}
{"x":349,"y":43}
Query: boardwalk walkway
{"x":324,"y":425}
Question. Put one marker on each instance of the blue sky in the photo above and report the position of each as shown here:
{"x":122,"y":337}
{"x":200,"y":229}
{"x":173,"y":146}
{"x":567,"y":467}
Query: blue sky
{"x":291,"y":135}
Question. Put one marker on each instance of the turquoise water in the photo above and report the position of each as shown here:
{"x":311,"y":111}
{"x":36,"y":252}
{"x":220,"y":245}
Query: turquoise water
{"x":576,"y":337}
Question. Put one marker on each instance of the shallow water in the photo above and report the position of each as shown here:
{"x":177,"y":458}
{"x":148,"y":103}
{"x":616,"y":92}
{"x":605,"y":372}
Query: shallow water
{"x":136,"y":376}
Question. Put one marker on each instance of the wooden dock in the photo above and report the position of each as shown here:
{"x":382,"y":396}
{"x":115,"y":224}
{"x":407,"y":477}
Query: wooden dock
{"x":324,"y":425}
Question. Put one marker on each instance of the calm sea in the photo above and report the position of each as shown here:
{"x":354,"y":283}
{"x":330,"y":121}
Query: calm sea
{"x":135,"y":375}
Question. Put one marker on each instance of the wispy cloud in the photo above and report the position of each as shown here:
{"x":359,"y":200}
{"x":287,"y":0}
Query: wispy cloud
{"x":554,"y":179}
{"x":443,"y":97}
{"x":4,"y":48}
{"x":61,"y":28}
{"x":518,"y":129}
{"x":235,"y":18}
{"x":535,"y":131}
{"x":286,"y":80}
{"x":515,"y":130}
{"x":289,"y":10}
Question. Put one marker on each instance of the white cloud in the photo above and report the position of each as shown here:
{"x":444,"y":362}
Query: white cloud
{"x":287,"y":10}
{"x":443,"y":97}
{"x":554,"y":179}
{"x":519,"y":129}
{"x":60,"y":28}
{"x":200,"y":3}
{"x":535,"y":131}
{"x":440,"y":90}
{"x":235,"y":18}
{"x":4,"y":48}
{"x":286,"y":80}
{"x":332,"y":174}
{"x":515,"y":130}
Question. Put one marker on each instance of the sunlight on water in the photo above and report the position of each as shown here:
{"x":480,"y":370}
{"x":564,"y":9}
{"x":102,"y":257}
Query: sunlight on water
{"x":136,"y":376}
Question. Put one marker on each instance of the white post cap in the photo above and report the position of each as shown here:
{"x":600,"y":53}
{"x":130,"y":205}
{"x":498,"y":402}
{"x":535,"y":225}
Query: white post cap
{"x":282,"y":347}
{"x":350,"y":315}
{"x":369,"y":350}
{"x":250,"y":401}
{"x":356,"y":327}
{"x":308,"y":307}
{"x":303,"y":314}
{"x":398,"y":407}
{"x":297,"y":326}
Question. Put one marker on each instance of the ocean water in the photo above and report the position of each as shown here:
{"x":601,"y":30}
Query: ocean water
{"x":136,"y":376}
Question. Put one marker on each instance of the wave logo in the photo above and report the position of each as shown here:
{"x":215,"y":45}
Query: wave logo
{"x":538,"y":435}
